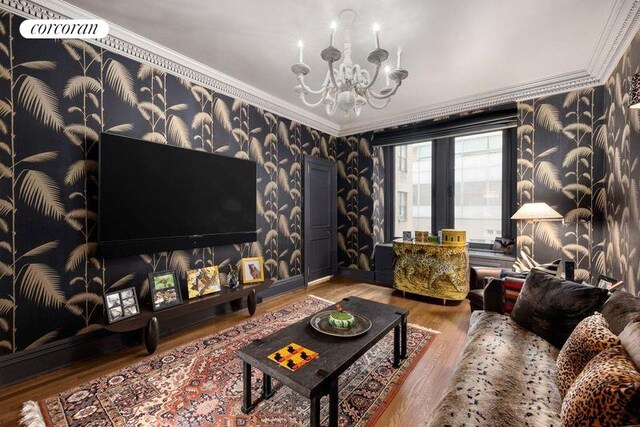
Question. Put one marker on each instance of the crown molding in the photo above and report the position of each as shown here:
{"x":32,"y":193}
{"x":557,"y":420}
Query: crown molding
{"x":544,"y":87}
{"x":621,"y":26}
{"x":127,"y":43}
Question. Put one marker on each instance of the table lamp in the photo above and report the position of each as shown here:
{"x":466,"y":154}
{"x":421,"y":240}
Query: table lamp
{"x":536,"y":212}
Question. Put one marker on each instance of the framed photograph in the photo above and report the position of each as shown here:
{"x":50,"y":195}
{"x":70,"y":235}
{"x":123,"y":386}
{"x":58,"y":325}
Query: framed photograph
{"x":165,"y":290}
{"x":252,"y":270}
{"x":121,"y":304}
{"x":608,"y":283}
{"x":406,"y":235}
{"x":203,"y":281}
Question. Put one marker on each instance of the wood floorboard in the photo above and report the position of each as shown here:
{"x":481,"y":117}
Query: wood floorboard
{"x":412,"y":405}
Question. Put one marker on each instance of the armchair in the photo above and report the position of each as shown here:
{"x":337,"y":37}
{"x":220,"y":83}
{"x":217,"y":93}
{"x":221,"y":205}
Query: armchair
{"x":478,"y":280}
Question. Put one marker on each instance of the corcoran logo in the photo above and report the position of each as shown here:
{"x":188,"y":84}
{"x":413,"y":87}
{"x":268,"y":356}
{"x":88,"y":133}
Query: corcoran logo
{"x":64,"y":29}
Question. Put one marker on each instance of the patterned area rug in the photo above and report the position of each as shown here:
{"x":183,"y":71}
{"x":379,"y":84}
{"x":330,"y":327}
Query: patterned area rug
{"x":200,"y":383}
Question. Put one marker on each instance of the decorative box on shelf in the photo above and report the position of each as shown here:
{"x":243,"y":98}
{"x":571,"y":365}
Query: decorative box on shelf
{"x":422,"y":236}
{"x":454,"y":237}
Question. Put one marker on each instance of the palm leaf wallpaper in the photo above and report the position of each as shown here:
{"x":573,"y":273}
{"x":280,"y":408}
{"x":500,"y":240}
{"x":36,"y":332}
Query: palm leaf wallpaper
{"x":576,"y":151}
{"x":360,"y":201}
{"x":619,"y":196}
{"x":55,"y":99}
{"x":559,"y":163}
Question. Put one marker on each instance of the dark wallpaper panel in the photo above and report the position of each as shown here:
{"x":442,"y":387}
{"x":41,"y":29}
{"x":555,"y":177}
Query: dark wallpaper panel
{"x":360,"y":201}
{"x":55,"y":99}
{"x":620,"y":138}
{"x":561,"y":163}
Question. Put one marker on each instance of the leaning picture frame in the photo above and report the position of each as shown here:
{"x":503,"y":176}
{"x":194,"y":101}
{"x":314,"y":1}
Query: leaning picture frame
{"x":121,"y":304}
{"x":252,"y":270}
{"x":203,"y":281}
{"x":164,"y":289}
{"x":608,"y":283}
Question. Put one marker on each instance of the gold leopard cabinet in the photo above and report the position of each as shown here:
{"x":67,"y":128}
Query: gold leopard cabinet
{"x":433,"y":270}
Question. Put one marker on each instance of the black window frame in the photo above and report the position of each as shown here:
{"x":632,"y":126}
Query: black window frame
{"x":443,"y":185}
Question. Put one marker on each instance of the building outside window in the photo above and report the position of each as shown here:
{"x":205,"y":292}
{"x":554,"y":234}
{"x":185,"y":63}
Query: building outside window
{"x":402,"y":206}
{"x":401,"y":153}
{"x":413,"y":184}
{"x":478,"y":186}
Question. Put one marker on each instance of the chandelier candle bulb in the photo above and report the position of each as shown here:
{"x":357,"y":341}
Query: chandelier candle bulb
{"x":376,"y":32}
{"x":387,"y":70}
{"x":333,"y":27}
{"x":300,"y":48}
{"x":399,"y":57}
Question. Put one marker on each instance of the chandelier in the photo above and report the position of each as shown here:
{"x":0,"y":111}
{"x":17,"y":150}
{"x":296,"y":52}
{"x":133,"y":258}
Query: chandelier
{"x":350,"y":87}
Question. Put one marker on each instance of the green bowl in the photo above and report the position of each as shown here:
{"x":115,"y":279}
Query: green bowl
{"x":341,"y":320}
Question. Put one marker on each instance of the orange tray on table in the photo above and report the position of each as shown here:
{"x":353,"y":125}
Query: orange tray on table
{"x":293,"y":356}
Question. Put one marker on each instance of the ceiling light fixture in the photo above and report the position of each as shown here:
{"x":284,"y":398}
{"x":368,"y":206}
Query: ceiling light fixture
{"x":349,"y":87}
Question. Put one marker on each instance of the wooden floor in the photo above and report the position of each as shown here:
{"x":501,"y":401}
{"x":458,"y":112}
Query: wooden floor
{"x":411,"y":406}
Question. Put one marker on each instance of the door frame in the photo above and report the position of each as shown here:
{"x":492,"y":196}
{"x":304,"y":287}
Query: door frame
{"x":308,"y":161}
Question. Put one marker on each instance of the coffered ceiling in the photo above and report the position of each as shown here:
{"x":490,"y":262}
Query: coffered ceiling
{"x":460,"y":54}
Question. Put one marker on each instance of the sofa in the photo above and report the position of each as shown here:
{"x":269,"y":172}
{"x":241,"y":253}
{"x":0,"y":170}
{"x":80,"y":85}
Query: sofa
{"x":506,"y":375}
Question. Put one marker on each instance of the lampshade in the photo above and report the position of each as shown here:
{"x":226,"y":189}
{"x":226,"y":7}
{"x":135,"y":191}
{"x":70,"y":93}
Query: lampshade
{"x":634,"y":92}
{"x":537,"y":211}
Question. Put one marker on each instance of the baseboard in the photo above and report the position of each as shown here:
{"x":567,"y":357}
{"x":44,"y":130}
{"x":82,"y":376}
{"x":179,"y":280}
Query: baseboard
{"x":384,"y":278}
{"x":352,"y":273}
{"x":285,"y":285}
{"x":49,"y":357}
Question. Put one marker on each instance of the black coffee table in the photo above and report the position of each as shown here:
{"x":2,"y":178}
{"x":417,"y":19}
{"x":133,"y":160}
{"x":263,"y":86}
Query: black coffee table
{"x":319,"y":377}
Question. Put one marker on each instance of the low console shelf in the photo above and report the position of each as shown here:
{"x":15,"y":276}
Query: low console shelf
{"x":149,"y":321}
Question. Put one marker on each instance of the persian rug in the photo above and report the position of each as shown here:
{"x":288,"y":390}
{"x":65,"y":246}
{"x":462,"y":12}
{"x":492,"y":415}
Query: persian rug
{"x":200,"y":384}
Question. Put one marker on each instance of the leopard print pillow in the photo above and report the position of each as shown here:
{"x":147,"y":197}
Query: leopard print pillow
{"x":606,"y":393}
{"x":590,"y":337}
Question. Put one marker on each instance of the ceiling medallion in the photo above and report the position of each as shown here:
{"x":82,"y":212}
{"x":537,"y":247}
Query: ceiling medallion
{"x":350,"y":87}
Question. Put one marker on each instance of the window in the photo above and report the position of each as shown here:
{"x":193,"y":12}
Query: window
{"x":478,"y":186}
{"x":466,"y":182}
{"x":413,"y":184}
{"x":402,"y":206}
{"x":401,"y":152}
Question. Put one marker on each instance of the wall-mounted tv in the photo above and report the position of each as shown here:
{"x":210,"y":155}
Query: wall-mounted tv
{"x":156,"y":197}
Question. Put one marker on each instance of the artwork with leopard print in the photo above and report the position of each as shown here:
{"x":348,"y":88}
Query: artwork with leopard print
{"x":606,"y":393}
{"x":590,"y":337}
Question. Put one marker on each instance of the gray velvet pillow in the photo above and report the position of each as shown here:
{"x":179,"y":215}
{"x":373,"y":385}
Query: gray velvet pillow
{"x":630,"y":339}
{"x":620,"y":309}
{"x":551,"y":307}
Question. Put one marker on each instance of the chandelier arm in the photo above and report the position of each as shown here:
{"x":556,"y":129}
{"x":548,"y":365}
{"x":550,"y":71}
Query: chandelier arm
{"x":375,"y":77}
{"x":374,"y":105}
{"x":312,"y":104}
{"x":355,"y":72}
{"x":331,"y":109}
{"x":365,"y":74}
{"x":385,"y":96}
{"x":308,"y":89}
{"x":331,"y":74}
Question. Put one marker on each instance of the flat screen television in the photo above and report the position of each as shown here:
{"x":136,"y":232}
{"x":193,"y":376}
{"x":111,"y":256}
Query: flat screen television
{"x":156,"y":197}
